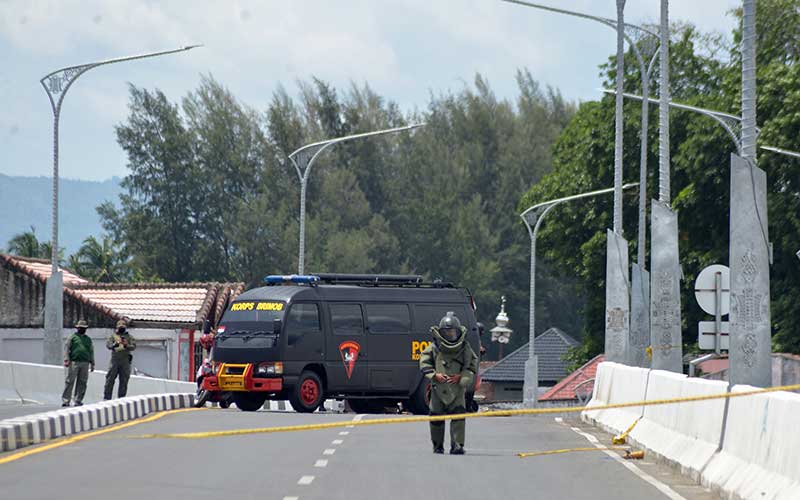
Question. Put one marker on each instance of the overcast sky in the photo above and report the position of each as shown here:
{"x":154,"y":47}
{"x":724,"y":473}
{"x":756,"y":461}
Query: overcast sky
{"x":405,"y":49}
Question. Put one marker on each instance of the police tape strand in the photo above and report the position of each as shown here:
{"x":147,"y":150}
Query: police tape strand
{"x":571,"y":450}
{"x":461,"y":416}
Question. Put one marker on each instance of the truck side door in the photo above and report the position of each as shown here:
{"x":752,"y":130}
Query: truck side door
{"x":303,"y":336}
{"x":346,"y":361}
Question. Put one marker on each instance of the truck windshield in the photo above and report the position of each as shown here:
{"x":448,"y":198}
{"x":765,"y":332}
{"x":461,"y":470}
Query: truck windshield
{"x":254,"y":312}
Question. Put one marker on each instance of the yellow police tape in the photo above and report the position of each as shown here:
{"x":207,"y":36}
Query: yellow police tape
{"x":621,"y":438}
{"x":569,"y":450}
{"x":439,"y":418}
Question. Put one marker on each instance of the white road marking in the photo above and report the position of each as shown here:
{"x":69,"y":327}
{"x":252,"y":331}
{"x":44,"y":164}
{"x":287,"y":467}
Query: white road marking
{"x":321,"y":463}
{"x":329,"y":451}
{"x":344,"y":433}
{"x":358,"y":417}
{"x":290,"y":498}
{"x":559,"y":420}
{"x":663,"y":488}
{"x":306,"y":480}
{"x":337,"y":441}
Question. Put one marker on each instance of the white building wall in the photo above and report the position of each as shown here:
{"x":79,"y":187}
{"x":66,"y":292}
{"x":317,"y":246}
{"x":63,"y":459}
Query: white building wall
{"x":156,"y":353}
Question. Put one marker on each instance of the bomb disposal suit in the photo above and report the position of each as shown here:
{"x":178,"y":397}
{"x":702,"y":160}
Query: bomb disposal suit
{"x":450,"y":364}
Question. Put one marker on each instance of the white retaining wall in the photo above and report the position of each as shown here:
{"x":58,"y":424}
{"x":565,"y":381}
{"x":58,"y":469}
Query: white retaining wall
{"x":760,"y":453}
{"x":43,"y":384}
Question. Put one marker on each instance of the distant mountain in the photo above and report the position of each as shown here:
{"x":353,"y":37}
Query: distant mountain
{"x":27,"y":201}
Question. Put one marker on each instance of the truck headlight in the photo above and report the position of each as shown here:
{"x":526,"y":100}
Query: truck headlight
{"x":271,"y":368}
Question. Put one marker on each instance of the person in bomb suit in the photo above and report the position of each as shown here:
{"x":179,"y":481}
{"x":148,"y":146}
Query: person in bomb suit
{"x":121,"y":344}
{"x":450,"y":364}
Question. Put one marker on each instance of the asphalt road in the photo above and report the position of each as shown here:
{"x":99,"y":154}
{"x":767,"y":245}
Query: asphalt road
{"x":388,"y":462}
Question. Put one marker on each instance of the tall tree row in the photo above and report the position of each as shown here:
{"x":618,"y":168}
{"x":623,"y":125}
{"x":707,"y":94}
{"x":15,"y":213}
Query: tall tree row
{"x":211,"y":194}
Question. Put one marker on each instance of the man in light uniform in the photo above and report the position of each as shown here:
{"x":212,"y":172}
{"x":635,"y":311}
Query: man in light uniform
{"x":121,"y":344}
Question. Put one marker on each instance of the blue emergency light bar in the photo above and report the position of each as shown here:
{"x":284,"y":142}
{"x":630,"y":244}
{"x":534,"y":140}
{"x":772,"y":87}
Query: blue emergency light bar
{"x":275,"y":279}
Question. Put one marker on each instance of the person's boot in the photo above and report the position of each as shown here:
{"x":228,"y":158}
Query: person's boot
{"x":457,"y":449}
{"x":439,"y":450}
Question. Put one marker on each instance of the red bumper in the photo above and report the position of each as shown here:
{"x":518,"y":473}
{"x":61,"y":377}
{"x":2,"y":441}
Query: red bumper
{"x":263,"y":384}
{"x":210,"y":383}
{"x":251,"y":384}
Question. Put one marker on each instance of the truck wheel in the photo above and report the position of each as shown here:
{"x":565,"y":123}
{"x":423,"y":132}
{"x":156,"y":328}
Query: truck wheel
{"x":358,"y":405}
{"x":419,"y":402}
{"x":201,"y":397}
{"x":249,"y":401}
{"x":306,"y":396}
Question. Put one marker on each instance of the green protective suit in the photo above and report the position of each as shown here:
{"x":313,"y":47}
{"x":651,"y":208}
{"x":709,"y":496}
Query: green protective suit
{"x":449,"y":399}
{"x":121,"y":345}
{"x":80,"y":354}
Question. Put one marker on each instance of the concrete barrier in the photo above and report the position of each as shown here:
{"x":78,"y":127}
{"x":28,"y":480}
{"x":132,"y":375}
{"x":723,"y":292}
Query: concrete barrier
{"x":688,"y":435}
{"x":43,"y":384}
{"x":760,"y":457}
{"x":7,"y":392}
{"x":24,"y":431}
{"x":617,"y":383}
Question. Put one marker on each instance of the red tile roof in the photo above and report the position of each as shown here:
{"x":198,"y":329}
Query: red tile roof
{"x":40,"y":268}
{"x":173,"y":303}
{"x":162,"y":302}
{"x":565,"y":390}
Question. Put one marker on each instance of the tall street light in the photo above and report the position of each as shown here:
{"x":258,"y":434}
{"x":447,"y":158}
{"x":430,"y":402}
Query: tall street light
{"x":56,"y":84}
{"x":303,"y":159}
{"x":534,"y":216}
{"x":729,"y":122}
{"x":639,"y":334}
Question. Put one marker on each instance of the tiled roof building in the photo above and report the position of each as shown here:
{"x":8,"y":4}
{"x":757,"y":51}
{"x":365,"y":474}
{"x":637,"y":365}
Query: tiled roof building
{"x":550,"y":346}
{"x":176,"y":305}
{"x":566,"y":389}
{"x":506,"y":377}
{"x":165,"y":318}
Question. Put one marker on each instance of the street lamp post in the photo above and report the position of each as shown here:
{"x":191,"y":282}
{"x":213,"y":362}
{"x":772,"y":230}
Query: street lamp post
{"x":303,"y":159}
{"x":639,"y":333}
{"x":534,"y":216}
{"x":56,"y":85}
{"x":730,"y":123}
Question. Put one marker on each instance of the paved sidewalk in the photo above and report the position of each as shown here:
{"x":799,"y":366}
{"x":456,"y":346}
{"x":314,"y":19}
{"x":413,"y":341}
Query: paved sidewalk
{"x":14,"y":410}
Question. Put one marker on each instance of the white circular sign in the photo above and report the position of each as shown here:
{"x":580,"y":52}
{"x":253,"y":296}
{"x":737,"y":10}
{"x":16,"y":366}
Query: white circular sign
{"x":705,"y":289}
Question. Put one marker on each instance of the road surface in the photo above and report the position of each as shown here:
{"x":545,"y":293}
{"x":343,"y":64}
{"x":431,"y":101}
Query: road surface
{"x":374,"y":462}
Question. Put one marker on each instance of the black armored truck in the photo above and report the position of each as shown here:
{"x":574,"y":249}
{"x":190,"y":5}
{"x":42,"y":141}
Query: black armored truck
{"x":352,"y":337}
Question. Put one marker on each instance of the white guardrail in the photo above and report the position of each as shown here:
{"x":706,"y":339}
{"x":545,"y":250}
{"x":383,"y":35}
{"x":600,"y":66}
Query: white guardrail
{"x":754,"y":452}
{"x":43,"y":384}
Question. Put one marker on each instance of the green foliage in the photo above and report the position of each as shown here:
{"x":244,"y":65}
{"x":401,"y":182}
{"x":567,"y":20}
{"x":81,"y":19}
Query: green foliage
{"x":27,"y":244}
{"x":100,"y":262}
{"x":704,"y":72}
{"x":212,"y":196}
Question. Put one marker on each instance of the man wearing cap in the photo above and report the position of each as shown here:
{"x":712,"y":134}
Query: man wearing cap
{"x":79,"y":360}
{"x":120,"y":343}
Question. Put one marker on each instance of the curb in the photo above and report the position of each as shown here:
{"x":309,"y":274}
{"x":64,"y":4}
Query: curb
{"x":19,"y":432}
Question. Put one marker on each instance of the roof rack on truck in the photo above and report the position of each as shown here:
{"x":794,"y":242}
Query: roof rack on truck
{"x":398,"y":280}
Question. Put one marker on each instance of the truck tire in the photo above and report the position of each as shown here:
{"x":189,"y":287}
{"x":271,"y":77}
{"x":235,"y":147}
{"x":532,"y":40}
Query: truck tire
{"x":249,"y":401}
{"x":307,"y":394}
{"x":418,"y":403}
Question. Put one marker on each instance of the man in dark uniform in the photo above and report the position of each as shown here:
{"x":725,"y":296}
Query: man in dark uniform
{"x":79,"y":360}
{"x":121,"y":344}
{"x":450,"y":364}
